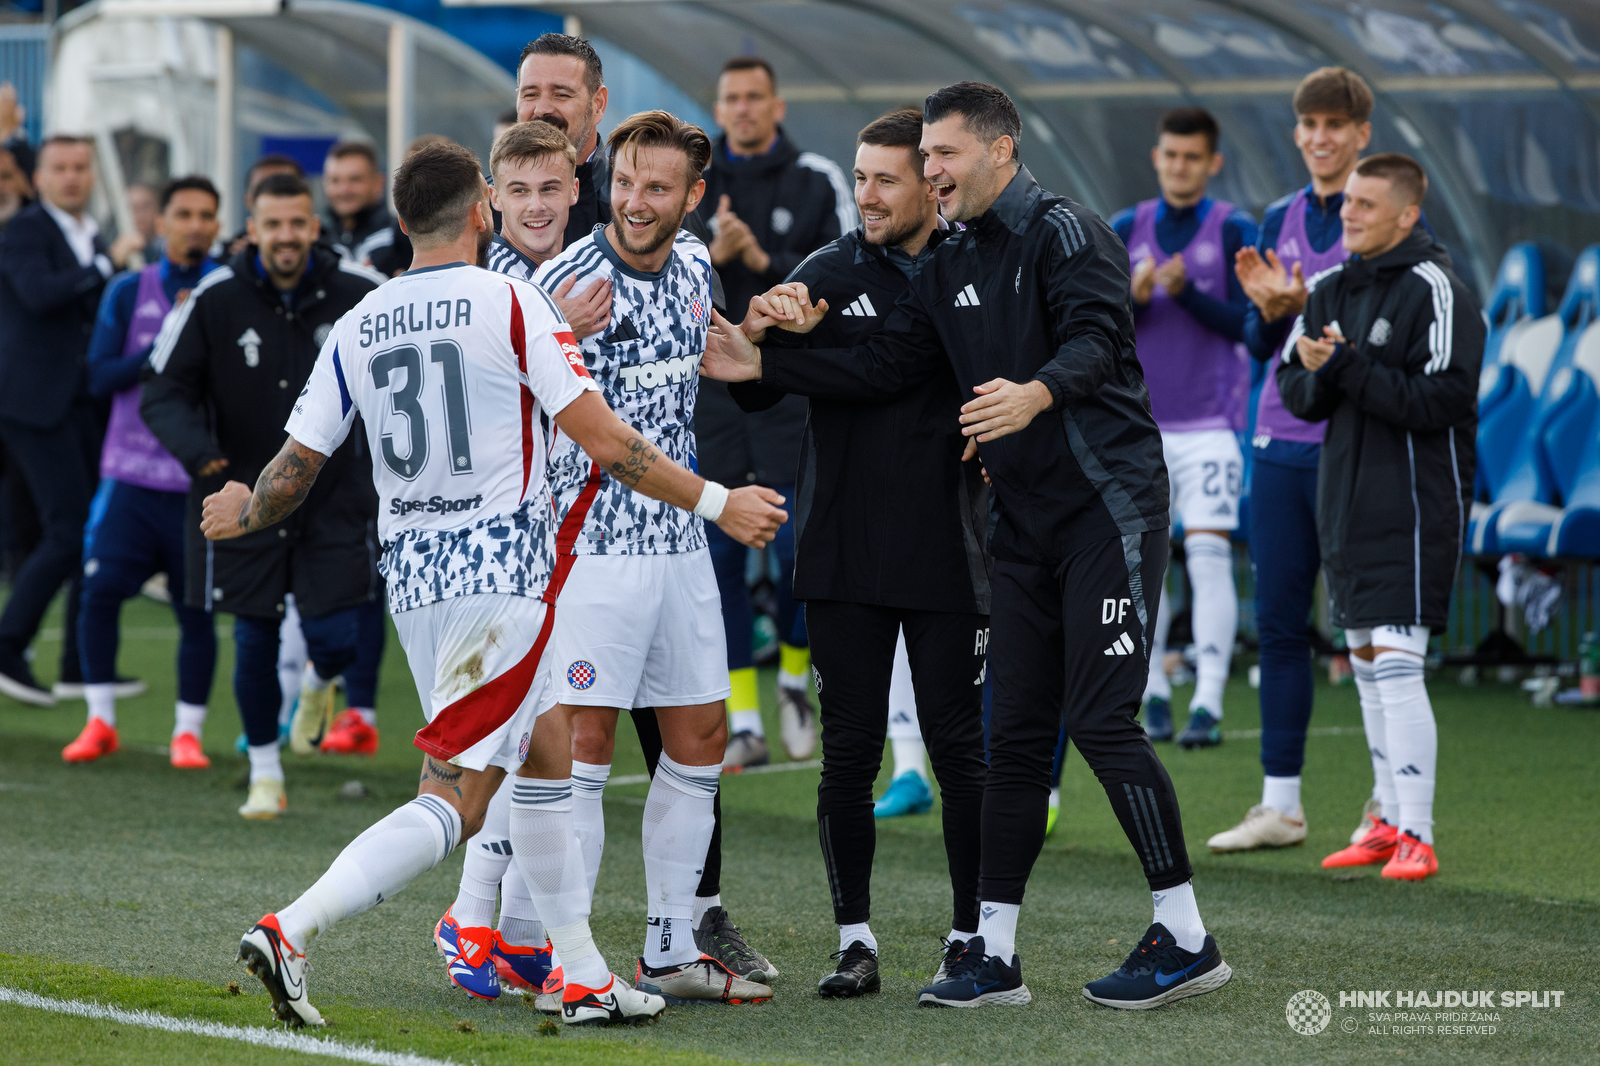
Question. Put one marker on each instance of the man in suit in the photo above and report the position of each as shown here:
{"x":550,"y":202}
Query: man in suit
{"x":53,"y":268}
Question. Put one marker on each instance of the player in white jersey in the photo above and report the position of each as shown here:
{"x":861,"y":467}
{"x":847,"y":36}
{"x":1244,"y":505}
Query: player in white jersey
{"x":452,"y":368}
{"x":534,"y":170}
{"x":634,"y":559}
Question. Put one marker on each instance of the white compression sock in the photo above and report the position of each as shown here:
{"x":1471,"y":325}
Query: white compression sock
{"x":746,"y":722}
{"x":265,"y":762}
{"x":1373,"y":719}
{"x":546,"y":852}
{"x":312,"y":681}
{"x":849,"y":934}
{"x":291,"y":658}
{"x":1157,"y":685}
{"x":589,"y":816}
{"x":487,"y":859}
{"x":1176,"y":909}
{"x":519,"y":918}
{"x":189,"y":718}
{"x":102,"y":700}
{"x":997,"y":924}
{"x":677,"y":829}
{"x":1413,"y":738}
{"x":1282,"y":794}
{"x":703,"y":904}
{"x":1214,"y":615}
{"x":410,"y":841}
{"x":905,"y":732}
{"x":368,"y":715}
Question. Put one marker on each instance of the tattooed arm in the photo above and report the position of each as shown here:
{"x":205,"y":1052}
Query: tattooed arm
{"x":234,"y":510}
{"x":750,"y":516}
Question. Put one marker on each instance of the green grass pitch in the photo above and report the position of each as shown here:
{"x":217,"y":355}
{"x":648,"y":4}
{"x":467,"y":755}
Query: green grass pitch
{"x":128,"y":883}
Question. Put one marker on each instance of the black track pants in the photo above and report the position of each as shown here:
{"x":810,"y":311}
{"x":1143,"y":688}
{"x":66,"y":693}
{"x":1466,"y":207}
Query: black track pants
{"x":644,"y":720}
{"x":852,"y":649}
{"x":1071,"y":645}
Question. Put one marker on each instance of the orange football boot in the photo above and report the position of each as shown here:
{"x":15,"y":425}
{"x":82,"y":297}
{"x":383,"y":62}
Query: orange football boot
{"x":97,"y":739}
{"x":1377,"y":846}
{"x":350,"y":735}
{"x":1413,"y":860}
{"x":186,"y":754}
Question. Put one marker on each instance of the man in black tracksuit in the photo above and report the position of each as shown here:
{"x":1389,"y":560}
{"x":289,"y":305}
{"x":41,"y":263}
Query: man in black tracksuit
{"x":223,"y":379}
{"x":1030,"y":306}
{"x":891,"y":532}
{"x":1388,"y":350}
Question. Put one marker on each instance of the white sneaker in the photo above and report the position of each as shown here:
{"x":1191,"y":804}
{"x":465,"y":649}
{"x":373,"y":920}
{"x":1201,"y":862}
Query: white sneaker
{"x":614,"y":1003}
{"x":798,"y":723}
{"x":270,"y":957}
{"x":1263,"y":827}
{"x":1371,"y":815}
{"x":267,"y":799}
{"x":745,"y":749}
{"x":312,"y":713}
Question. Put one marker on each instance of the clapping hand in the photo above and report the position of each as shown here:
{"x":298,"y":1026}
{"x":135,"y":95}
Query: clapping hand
{"x":1276,"y":291}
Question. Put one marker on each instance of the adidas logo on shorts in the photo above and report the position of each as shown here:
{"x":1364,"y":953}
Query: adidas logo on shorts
{"x":1123,"y":645}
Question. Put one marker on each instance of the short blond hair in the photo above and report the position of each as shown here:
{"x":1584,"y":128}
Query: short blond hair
{"x":531,"y":142}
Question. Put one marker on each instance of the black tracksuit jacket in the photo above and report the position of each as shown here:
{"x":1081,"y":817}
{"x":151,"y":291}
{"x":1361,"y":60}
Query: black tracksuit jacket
{"x":213,"y":391}
{"x":795,"y":203}
{"x":885,"y":511}
{"x":1035,"y":288}
{"x":1394,"y":488}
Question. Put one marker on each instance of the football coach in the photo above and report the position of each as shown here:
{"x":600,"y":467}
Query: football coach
{"x":1029,"y":304}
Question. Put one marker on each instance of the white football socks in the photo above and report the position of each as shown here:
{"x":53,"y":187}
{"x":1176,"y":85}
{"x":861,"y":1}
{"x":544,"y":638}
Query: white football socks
{"x":410,"y":841}
{"x":997,"y":924}
{"x":102,"y":700}
{"x":746,"y":722}
{"x":1177,"y":910}
{"x":189,"y":718}
{"x":546,"y":852}
{"x":484,"y":866}
{"x":1413,"y":738}
{"x":849,"y":934}
{"x":1214,"y":615}
{"x":1282,"y":794}
{"x":905,"y":732}
{"x":1373,"y":720}
{"x":703,"y":904}
{"x":1157,"y":685}
{"x":311,"y":681}
{"x":265,"y":762}
{"x":519,"y":917}
{"x":589,"y":816}
{"x":910,"y":757}
{"x":678,"y":822}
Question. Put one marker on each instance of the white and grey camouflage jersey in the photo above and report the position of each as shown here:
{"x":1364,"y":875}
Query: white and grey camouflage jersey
{"x":647,"y":364}
{"x":506,"y":258}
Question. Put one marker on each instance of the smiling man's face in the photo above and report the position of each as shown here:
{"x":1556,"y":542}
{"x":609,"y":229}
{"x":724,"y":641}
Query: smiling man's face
{"x":534,"y":196}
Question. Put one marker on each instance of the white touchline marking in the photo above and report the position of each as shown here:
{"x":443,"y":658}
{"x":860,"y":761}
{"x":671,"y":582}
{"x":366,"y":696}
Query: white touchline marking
{"x":1320,"y":731}
{"x":278,"y":1039}
{"x":775,"y":768}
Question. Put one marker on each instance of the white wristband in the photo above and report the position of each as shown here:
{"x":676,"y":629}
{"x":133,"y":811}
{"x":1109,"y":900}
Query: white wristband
{"x":713,"y":498}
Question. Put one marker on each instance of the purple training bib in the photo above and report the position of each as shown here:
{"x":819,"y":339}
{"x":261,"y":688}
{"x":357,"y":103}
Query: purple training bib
{"x":132,"y":453}
{"x":1198,"y":379}
{"x":1293,"y":246}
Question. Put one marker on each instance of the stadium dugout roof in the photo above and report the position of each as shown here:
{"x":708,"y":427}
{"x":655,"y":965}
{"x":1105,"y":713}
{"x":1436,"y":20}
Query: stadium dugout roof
{"x":394,"y":75}
{"x":1500,"y":99}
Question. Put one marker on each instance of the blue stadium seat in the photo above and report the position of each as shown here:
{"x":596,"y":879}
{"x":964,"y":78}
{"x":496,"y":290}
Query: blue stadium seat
{"x":1510,"y":446}
{"x":1517,"y":299}
{"x":1564,"y":440}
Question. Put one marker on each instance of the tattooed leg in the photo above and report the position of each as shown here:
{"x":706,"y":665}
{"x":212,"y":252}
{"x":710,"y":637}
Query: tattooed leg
{"x":467,"y":791}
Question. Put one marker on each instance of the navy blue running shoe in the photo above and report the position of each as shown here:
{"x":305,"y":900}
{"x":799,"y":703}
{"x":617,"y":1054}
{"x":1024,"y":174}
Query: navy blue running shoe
{"x":1157,"y":718}
{"x":1203,"y":731}
{"x":1159,"y":971}
{"x":978,"y":980}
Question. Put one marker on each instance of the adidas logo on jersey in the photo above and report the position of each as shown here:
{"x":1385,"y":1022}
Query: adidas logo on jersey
{"x":861,"y":307}
{"x":661,"y":372}
{"x":151,"y":309}
{"x":967,"y":297}
{"x":1123,"y":645}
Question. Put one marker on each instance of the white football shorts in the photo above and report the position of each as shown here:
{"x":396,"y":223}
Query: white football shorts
{"x":481,"y":667}
{"x":640,"y":631}
{"x":1206,"y":470}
